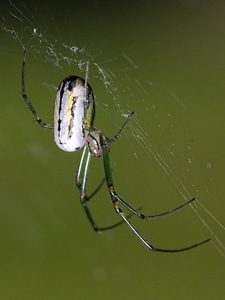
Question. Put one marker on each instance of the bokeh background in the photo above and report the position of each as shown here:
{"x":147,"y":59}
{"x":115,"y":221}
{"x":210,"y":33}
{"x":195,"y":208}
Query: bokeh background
{"x":166,"y":61}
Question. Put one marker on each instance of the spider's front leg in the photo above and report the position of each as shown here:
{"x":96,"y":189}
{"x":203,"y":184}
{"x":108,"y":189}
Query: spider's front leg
{"x":116,"y":199}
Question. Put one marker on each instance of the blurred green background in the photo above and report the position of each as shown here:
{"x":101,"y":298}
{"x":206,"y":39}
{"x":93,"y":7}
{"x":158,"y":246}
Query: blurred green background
{"x":166,"y":61}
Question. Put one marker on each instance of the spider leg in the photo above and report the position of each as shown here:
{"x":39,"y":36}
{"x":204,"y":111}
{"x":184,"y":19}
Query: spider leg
{"x":116,"y":200}
{"x":81,"y":179}
{"x":169,"y":212}
{"x":144,"y":241}
{"x":143,"y":217}
{"x":25,"y":97}
{"x":105,"y":143}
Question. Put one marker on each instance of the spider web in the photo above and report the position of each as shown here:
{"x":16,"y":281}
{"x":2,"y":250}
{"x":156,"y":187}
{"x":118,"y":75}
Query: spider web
{"x":156,"y":134}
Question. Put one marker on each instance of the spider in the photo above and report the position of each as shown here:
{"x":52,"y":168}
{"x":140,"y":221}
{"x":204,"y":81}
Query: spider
{"x":73,"y":129}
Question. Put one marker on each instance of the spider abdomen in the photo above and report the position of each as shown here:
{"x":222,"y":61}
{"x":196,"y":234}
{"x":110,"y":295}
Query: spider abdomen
{"x":74,"y":111}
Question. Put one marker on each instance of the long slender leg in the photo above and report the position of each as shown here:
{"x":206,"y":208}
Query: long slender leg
{"x":150,"y":217}
{"x":25,"y":97}
{"x":116,"y":199}
{"x":81,"y":179}
{"x":105,"y":144}
{"x":85,"y":159}
{"x":112,"y":140}
{"x":81,"y":184}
